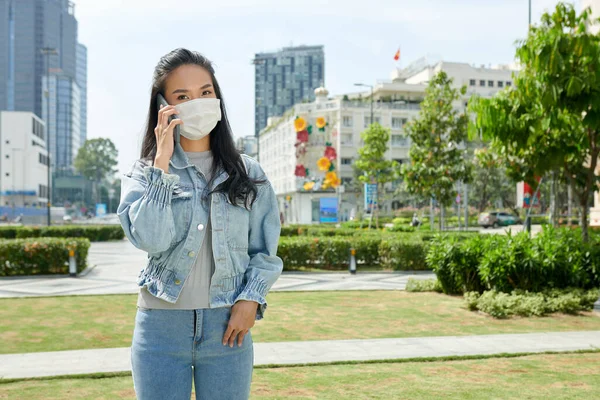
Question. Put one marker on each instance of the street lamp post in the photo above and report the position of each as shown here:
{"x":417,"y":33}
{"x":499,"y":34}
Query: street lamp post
{"x":529,"y":12}
{"x":369,"y":86}
{"x":48,"y":51}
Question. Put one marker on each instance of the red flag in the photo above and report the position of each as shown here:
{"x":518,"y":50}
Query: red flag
{"x":397,"y":56}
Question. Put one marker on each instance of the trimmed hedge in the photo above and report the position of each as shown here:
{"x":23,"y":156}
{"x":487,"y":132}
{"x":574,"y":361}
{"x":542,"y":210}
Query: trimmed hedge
{"x":526,"y":304}
{"x":397,"y":251}
{"x":553,"y":259}
{"x":41,"y":256}
{"x":95,"y":233}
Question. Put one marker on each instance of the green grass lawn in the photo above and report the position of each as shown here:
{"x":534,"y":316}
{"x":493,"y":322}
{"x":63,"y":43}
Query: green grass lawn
{"x":86,"y":322}
{"x":556,"y":377}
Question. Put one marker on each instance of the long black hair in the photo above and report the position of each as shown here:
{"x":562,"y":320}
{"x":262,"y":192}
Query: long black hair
{"x":239,"y":187}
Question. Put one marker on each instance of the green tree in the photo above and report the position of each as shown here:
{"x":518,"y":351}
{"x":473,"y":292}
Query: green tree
{"x":373,"y":166}
{"x":550,"y":120}
{"x":96,"y":160}
{"x":490,"y":182}
{"x":437,"y":160}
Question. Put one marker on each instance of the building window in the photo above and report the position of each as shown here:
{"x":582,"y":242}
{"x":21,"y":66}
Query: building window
{"x":347,"y":122}
{"x":508,"y":83}
{"x":491,"y":83}
{"x":399,"y":141}
{"x":472,"y":82}
{"x":398,"y":123}
{"x":346,"y":181}
{"x":347,"y":140}
{"x":482,"y":83}
{"x":346,"y":161}
{"x":500,"y":84}
{"x":368,"y":121}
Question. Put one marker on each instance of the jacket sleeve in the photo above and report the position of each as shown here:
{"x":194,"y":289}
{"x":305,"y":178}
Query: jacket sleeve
{"x":145,"y":207}
{"x":263,"y":237}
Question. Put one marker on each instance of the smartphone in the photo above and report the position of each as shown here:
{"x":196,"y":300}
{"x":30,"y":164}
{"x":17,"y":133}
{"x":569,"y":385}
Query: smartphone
{"x":160,"y":101}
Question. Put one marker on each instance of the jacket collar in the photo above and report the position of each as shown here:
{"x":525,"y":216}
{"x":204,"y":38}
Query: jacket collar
{"x":181,"y":161}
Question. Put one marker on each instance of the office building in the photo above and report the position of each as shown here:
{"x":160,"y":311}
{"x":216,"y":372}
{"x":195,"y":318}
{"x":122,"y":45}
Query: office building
{"x":285,"y":78}
{"x":81,"y":79}
{"x":23,"y":164}
{"x":26,"y":27}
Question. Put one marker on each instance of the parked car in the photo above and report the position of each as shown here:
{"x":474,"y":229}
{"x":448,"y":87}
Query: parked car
{"x":498,"y":218}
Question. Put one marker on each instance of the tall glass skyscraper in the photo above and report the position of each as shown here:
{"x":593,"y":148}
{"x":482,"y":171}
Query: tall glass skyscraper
{"x":285,"y":78}
{"x":27,"y":26}
{"x":81,"y":78}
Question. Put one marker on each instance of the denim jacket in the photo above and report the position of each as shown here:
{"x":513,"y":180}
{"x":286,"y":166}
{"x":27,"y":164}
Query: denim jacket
{"x":165,"y":215}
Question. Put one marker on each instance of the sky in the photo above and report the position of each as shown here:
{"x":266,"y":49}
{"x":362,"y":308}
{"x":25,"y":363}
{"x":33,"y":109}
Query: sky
{"x":126,"y":38}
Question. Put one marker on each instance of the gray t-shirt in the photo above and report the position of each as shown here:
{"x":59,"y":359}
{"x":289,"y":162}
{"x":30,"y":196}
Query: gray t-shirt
{"x":195,"y":291}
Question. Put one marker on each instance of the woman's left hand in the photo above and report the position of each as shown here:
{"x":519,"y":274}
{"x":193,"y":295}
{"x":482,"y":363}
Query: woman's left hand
{"x":243,"y":316}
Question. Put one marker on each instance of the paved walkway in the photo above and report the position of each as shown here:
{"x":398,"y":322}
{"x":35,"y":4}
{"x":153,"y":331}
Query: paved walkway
{"x":114,"y":267}
{"x":284,"y":353}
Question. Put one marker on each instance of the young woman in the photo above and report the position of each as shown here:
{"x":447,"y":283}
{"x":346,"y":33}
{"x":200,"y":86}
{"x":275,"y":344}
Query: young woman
{"x":208,"y":218}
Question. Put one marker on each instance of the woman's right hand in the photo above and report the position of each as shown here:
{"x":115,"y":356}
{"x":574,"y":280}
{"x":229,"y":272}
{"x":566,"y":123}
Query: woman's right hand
{"x":164,"y":137}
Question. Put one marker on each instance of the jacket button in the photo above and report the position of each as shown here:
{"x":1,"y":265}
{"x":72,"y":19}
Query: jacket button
{"x":177,"y":282}
{"x":200,"y":227}
{"x":191,"y":254}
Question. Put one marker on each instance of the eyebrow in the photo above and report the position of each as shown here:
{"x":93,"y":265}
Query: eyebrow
{"x":186,"y":91}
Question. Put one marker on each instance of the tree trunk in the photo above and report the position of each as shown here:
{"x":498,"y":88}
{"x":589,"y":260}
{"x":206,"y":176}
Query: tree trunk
{"x":570,"y":202}
{"x":553,"y":200}
{"x":431,"y":215}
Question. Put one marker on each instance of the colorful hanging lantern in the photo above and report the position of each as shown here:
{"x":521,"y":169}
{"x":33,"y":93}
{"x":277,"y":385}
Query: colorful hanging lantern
{"x":300,"y":171}
{"x":324,"y":164}
{"x":309,"y":186}
{"x":300,"y":124}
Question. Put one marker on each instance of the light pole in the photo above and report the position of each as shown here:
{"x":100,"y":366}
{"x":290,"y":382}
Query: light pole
{"x":48,"y":51}
{"x":369,"y":86}
{"x":529,"y":12}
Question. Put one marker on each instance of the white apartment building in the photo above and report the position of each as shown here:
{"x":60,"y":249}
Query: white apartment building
{"x":395,"y":103}
{"x":23,"y":161}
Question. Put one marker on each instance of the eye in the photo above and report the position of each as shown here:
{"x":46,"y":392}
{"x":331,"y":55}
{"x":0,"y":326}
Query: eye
{"x":182,"y":97}
{"x":206,"y":93}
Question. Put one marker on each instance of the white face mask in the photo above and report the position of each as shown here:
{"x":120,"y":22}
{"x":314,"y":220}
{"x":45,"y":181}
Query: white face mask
{"x":199,"y":117}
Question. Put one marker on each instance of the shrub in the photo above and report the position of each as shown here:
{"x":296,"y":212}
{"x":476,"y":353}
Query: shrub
{"x":95,"y":233}
{"x":423,"y":285}
{"x":526,"y":304}
{"x":41,"y":256}
{"x":441,"y":257}
{"x":403,"y":255}
{"x":334,"y":252}
{"x":8,"y":232}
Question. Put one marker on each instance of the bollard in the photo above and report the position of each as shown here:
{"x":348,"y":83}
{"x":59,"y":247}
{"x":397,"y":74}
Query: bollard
{"x":72,"y":264}
{"x":352,"y":266}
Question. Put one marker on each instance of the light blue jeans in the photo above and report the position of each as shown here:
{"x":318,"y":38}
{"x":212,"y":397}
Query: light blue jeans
{"x":171,"y":346}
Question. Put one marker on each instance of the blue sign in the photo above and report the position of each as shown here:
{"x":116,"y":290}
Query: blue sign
{"x":19,"y":193}
{"x":100,"y":209}
{"x":328,"y":210}
{"x":370,"y":196}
